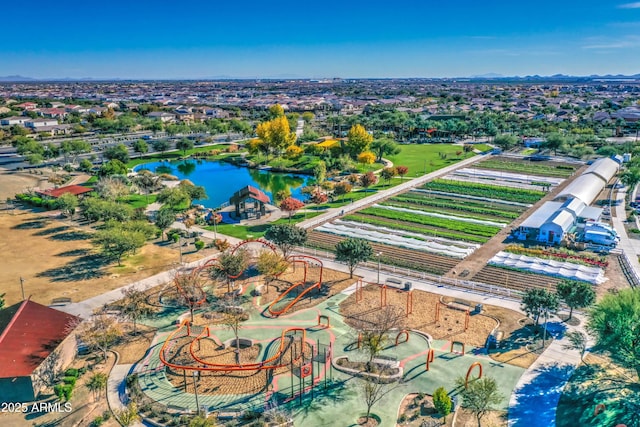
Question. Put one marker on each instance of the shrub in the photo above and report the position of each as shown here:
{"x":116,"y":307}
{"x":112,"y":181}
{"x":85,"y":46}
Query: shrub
{"x":442,"y":401}
{"x":199,"y":244}
{"x":71,"y":372}
{"x":97,"y":421}
{"x":402,"y":418}
{"x":67,"y":391}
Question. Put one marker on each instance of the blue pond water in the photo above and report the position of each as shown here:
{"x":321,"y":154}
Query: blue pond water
{"x":222,"y":179}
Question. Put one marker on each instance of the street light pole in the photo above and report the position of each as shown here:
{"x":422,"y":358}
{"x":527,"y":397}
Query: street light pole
{"x":378,"y":255}
{"x":22,"y":287}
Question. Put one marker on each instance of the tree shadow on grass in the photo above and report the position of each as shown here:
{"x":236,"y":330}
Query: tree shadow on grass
{"x":53,"y":230}
{"x":71,"y":235}
{"x":38,"y":223}
{"x":75,"y":252}
{"x":84,"y":268}
{"x":537,"y":400}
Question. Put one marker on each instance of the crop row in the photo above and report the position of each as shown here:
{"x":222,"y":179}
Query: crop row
{"x":391,"y":255}
{"x":560,"y":171}
{"x":415,"y":228}
{"x":464,"y":206}
{"x":448,"y":224}
{"x":486,"y":190}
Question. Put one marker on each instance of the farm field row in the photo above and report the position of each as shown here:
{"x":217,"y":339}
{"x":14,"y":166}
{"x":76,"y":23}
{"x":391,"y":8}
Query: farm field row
{"x":519,"y":195}
{"x":445,"y":225}
{"x":504,"y":179}
{"x":560,"y":170}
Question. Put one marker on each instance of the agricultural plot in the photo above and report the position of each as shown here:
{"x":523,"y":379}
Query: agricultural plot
{"x":505,"y":179}
{"x":550,"y":169}
{"x":433,"y":229}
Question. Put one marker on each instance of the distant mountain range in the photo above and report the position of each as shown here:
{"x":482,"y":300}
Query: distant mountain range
{"x":487,"y":76}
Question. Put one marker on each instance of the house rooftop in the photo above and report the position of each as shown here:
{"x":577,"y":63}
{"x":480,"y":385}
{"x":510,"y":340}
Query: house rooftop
{"x":29,"y":332}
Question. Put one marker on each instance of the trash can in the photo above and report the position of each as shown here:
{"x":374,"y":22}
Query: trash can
{"x":408,"y":286}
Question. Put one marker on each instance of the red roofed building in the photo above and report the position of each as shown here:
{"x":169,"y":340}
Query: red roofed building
{"x":33,"y":339}
{"x":76,"y":190}
{"x":249,"y":202}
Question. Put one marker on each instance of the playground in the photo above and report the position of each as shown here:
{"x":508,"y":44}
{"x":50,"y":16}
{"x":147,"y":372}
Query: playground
{"x":298,"y":345}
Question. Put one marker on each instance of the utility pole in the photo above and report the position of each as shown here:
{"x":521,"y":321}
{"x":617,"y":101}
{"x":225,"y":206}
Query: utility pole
{"x":22,"y":287}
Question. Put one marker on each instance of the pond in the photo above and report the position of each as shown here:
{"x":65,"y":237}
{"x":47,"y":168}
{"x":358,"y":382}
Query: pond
{"x":221,"y":179}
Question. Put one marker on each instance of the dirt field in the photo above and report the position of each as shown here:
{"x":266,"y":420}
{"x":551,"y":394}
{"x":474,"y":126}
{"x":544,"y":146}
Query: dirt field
{"x":450,"y":326}
{"x":56,"y":259}
{"x":17,"y":182}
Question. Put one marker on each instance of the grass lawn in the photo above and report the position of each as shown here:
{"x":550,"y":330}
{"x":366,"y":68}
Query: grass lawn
{"x":140,"y":200}
{"x":361,"y":193}
{"x":254,"y":231}
{"x":482,"y":147}
{"x":175,"y":155}
{"x":424,"y":158}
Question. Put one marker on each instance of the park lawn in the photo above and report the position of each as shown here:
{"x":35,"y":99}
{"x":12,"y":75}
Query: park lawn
{"x":424,"y":158}
{"x":140,"y":200}
{"x":482,"y":147}
{"x":255,"y":231}
{"x":176,"y":155}
{"x":361,"y":193}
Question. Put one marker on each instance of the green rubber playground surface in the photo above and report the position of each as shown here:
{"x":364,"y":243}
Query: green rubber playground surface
{"x":336,"y":399}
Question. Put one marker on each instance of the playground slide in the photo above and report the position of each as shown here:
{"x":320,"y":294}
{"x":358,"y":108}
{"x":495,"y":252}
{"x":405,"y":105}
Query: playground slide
{"x":299,"y":286}
{"x":269,"y":363}
{"x":302,"y":287}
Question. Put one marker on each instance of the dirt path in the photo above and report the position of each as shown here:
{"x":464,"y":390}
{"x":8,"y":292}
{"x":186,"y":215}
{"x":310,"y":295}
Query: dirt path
{"x":479,"y":258}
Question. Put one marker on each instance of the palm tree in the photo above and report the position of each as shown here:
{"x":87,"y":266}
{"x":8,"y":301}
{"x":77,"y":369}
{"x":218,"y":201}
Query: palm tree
{"x":97,"y":384}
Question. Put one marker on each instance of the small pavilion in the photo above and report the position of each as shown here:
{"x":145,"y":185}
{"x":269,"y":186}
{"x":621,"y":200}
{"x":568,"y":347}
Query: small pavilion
{"x":249,"y":203}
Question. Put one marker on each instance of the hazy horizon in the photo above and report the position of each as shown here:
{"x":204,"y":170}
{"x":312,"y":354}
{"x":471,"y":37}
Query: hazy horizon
{"x":406,"y":39}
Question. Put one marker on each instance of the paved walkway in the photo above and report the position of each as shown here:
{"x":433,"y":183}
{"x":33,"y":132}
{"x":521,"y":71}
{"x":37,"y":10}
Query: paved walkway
{"x":630,"y":247}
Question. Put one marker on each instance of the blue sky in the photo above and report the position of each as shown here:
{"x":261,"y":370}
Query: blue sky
{"x":330,"y":38}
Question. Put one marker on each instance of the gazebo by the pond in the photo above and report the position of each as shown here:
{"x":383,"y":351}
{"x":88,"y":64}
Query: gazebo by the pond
{"x":249,"y":203}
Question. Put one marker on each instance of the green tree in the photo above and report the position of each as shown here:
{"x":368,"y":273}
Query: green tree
{"x":2,"y":301}
{"x":271,"y":265}
{"x":353,"y":251}
{"x":140,"y":147}
{"x":195,"y":192}
{"x":118,"y":152}
{"x":388,"y":173}
{"x":384,"y":146}
{"x":342,"y":188}
{"x":539,"y":302}
{"x":67,"y":203}
{"x":230,"y":266}
{"x":630,"y":177}
{"x":116,"y":242}
{"x":160,"y":145}
{"x":85,"y":165}
{"x":505,"y":142}
{"x":615,"y":324}
{"x":286,"y":237}
{"x":358,"y":140}
{"x":184,"y":144}
{"x":320,"y":172}
{"x":480,"y":396}
{"x":307,"y":116}
{"x":113,"y":167}
{"x":74,"y":148}
{"x":164,"y":219}
{"x":202,"y":421}
{"x":442,"y":401}
{"x":97,"y":385}
{"x":576,"y":294}
{"x":554,"y":141}
{"x":174,"y":197}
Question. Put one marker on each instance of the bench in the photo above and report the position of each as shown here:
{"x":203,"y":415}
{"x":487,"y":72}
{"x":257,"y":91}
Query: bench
{"x":397,"y":283}
{"x":61,"y":301}
{"x":459,"y":305}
